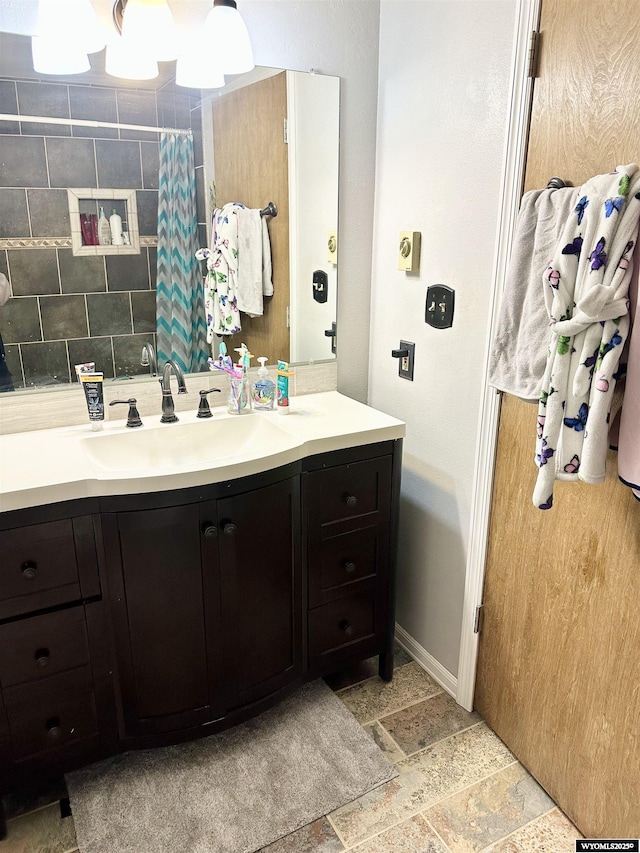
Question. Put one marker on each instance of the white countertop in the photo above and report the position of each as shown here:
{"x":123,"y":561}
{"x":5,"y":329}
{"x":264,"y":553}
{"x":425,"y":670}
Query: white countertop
{"x":47,"y":466}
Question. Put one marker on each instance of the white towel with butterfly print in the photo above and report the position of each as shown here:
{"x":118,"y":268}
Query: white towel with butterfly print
{"x":587,"y":283}
{"x":220,"y":286}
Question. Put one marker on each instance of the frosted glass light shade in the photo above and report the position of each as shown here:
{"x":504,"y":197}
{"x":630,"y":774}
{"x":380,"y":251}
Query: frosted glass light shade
{"x":198,"y":70}
{"x":73,"y":24}
{"x":128,"y":64}
{"x":148,"y":27}
{"x":51,"y":57}
{"x":229,"y":40}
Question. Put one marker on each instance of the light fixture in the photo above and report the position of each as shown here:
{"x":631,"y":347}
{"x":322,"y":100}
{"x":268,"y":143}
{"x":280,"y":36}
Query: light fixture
{"x":228,"y":39}
{"x":148,"y":27}
{"x":67,"y":30}
{"x":198,"y":69}
{"x":122,"y":62}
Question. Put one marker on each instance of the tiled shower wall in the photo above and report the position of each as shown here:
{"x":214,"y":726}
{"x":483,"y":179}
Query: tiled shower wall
{"x":64,"y":309}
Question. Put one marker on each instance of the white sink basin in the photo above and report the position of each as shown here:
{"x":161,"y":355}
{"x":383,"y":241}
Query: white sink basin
{"x":186,"y":445}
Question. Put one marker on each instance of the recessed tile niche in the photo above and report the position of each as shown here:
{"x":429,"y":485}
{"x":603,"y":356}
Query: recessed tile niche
{"x":87,"y":202}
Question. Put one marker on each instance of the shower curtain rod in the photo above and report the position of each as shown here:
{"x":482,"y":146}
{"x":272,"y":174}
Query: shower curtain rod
{"x":88,"y":123}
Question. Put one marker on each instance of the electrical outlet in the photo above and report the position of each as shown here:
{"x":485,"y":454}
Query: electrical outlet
{"x":405,"y":355}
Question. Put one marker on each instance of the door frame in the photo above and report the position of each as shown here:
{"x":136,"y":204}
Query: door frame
{"x":517,"y":132}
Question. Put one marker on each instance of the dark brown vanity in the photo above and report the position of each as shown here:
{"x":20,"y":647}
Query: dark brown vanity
{"x":134,"y":621}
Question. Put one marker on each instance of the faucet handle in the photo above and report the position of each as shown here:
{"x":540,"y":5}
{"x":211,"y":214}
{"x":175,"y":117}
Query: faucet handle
{"x":203,"y":409}
{"x":133,"y":417}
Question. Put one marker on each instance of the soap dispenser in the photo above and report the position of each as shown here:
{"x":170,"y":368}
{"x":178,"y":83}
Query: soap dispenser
{"x":104,"y":229}
{"x":263,"y":389}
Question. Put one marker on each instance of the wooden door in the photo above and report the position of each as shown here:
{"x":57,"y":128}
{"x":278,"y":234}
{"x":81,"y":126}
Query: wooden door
{"x":251,"y":166}
{"x":164,"y":594}
{"x":559,"y":664}
{"x":260,"y":570}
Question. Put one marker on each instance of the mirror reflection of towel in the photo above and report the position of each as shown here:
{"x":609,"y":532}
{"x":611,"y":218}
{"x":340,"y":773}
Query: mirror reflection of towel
{"x":254,"y":262}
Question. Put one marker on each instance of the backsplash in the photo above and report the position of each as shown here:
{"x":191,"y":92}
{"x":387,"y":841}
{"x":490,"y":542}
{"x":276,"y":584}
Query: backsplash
{"x":62,"y":407}
{"x":68,"y":309}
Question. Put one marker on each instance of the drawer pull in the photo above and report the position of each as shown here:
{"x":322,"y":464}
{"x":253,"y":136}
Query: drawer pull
{"x":42,"y":657}
{"x":54,"y":729}
{"x":210,"y":531}
{"x":348,"y":566}
{"x":350,"y":500}
{"x":29,"y":570}
{"x":346,"y":628}
{"x":230,"y":529}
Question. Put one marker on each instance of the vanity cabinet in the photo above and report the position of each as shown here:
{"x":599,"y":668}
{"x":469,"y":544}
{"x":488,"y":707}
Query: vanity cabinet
{"x":138,"y":620}
{"x":205,"y":598}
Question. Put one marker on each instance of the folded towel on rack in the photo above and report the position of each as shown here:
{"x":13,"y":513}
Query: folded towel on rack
{"x":519,"y":352}
{"x":254,"y":261}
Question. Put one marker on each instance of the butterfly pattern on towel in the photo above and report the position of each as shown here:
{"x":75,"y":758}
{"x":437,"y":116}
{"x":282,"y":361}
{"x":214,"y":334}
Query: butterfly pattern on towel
{"x":612,"y":204}
{"x":545,"y":454}
{"x":574,"y":466}
{"x":573,"y":248}
{"x":598,"y":257}
{"x":580,"y":421}
{"x":553,"y":277}
{"x":581,"y":207}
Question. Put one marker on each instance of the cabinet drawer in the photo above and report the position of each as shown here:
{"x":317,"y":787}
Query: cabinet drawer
{"x":51,"y":713}
{"x":39,"y":568}
{"x":339,"y":564}
{"x":341,"y":622}
{"x":350,"y":491}
{"x":42,"y":646}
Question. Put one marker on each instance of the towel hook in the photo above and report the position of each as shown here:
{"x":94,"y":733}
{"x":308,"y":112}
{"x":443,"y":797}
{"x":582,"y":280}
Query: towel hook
{"x":556,"y":184}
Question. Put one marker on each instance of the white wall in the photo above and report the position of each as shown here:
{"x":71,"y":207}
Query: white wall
{"x":337,"y":37}
{"x":444,"y":74}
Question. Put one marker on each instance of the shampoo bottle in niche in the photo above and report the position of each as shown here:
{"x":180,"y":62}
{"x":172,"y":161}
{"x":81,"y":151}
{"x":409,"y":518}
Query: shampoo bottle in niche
{"x":115,"y":228}
{"x":104,"y":230}
{"x":263,"y":390}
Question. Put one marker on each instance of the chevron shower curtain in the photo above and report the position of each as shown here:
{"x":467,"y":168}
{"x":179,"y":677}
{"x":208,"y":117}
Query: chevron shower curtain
{"x":180,"y":316}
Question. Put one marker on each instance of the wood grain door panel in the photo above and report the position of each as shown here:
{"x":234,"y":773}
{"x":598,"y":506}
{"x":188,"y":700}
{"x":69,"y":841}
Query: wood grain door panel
{"x":559,"y":661}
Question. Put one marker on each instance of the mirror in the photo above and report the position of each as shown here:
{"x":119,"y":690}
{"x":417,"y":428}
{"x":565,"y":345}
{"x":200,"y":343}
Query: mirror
{"x":68,"y":309}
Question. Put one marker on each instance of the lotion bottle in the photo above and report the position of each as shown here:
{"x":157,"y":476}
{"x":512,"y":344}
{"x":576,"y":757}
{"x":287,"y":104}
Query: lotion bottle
{"x":115,"y":227}
{"x":104,"y":231}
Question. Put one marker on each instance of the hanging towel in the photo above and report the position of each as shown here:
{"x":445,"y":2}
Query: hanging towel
{"x":519,"y":352}
{"x":221,"y":297}
{"x":586,"y":292}
{"x":629,"y":436}
{"x":254,"y":261}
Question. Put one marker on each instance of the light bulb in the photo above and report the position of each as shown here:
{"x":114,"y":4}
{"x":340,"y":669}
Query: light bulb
{"x":73,"y":24}
{"x":228,"y":38}
{"x":128,"y":64}
{"x":198,"y":70}
{"x":148,"y":26}
{"x":50,"y":57}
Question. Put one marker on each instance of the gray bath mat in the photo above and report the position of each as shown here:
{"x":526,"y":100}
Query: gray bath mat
{"x":233,"y":792}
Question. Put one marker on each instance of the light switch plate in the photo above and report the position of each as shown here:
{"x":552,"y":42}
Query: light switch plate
{"x":409,"y":251}
{"x":439,"y":307}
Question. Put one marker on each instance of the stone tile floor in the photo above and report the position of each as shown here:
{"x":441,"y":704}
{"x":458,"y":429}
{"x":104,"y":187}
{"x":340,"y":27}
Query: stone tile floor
{"x":459,"y":789}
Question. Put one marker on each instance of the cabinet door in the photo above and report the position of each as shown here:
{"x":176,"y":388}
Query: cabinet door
{"x":161,"y":567}
{"x":261,"y":590}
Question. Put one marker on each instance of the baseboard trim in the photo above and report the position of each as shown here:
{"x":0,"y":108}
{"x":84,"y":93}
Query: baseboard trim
{"x":427,"y":661}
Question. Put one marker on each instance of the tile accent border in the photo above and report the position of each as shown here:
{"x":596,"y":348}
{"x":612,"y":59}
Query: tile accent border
{"x":59,"y":243}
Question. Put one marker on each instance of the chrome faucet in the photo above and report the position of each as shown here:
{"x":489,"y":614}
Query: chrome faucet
{"x":168,"y":412}
{"x":148,"y":359}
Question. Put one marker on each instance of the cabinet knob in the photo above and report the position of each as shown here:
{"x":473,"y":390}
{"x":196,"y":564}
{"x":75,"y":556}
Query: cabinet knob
{"x":42,"y":657}
{"x":230,"y":529}
{"x":348,"y":566}
{"x":346,"y":628}
{"x":29,"y":570}
{"x":54,"y":729}
{"x":209,"y":531}
{"x":350,"y":500}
